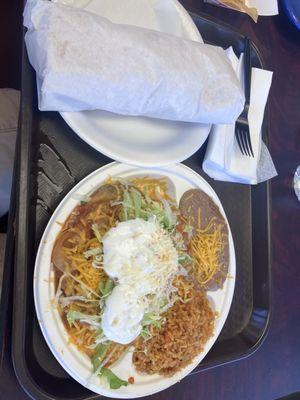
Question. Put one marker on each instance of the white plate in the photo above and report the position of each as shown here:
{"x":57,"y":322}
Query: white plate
{"x":138,"y":140}
{"x":77,"y":364}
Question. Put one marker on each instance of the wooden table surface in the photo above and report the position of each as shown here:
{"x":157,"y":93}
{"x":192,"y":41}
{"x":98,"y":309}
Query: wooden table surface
{"x":274,"y":370}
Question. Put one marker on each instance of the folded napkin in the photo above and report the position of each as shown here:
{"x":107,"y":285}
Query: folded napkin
{"x":223,"y":159}
{"x":86,"y":62}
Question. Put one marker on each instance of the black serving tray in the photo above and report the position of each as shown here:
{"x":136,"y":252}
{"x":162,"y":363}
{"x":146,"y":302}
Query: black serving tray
{"x":52,"y":159}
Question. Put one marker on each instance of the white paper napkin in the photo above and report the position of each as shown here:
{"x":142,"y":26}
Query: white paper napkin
{"x":223,"y":159}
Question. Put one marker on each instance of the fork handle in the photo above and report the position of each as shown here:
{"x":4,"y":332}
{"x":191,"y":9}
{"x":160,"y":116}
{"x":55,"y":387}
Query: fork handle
{"x":247,"y":69}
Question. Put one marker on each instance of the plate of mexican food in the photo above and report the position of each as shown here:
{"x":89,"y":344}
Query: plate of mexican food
{"x":134,"y":278}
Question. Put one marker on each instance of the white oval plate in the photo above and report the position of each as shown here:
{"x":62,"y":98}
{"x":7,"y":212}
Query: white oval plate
{"x":77,"y":364}
{"x":138,"y":140}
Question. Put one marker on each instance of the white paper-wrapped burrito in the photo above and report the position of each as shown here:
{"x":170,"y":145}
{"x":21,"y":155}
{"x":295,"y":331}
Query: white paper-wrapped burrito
{"x":85,"y":62}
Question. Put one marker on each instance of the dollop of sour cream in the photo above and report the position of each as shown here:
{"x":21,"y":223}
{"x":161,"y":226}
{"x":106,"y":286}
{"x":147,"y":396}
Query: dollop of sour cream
{"x":141,"y":258}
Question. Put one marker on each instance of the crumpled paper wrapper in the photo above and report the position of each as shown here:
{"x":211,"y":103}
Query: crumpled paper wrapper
{"x":85,"y":62}
{"x":238,"y":5}
{"x":253,"y":8}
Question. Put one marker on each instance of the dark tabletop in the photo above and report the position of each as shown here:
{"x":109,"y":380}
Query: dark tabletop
{"x":274,"y":370}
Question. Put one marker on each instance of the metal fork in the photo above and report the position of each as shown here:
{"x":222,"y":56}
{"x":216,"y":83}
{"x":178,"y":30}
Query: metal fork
{"x":242,"y":133}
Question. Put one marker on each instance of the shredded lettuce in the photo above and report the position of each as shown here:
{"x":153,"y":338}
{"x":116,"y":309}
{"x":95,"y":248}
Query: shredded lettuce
{"x":145,"y":333}
{"x":137,"y":202}
{"x":97,"y":359}
{"x":105,"y":288}
{"x":99,"y":334}
{"x":93,"y":252}
{"x":99,"y":258}
{"x":59,"y":290}
{"x":112,"y":379}
{"x":97,"y":232}
{"x":65,"y":301}
{"x":73,"y":315}
{"x":151,"y":319}
{"x":98,"y":261}
{"x":170,"y":217}
{"x":135,"y":205}
{"x":184,"y":259}
{"x":99,"y":339}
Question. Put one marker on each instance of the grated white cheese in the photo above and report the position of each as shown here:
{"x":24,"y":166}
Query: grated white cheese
{"x":141,"y":257}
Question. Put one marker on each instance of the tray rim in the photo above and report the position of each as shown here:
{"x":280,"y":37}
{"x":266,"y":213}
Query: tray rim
{"x":24,"y":140}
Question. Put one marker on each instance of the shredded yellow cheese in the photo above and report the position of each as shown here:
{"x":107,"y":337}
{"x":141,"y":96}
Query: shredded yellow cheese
{"x":206,"y":246}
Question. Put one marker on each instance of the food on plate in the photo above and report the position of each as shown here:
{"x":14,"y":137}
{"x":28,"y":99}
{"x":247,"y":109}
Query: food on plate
{"x":187,"y":327}
{"x":141,"y":257}
{"x":86,"y":62}
{"x":131,"y":273}
{"x":209,"y":244}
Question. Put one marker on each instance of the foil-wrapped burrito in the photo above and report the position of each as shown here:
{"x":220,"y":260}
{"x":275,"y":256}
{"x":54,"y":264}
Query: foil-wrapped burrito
{"x":86,"y":62}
